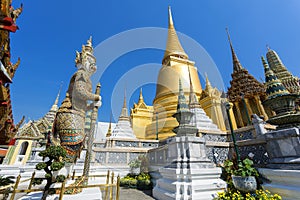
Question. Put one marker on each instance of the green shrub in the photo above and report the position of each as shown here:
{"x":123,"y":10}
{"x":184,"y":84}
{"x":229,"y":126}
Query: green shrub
{"x":141,"y":181}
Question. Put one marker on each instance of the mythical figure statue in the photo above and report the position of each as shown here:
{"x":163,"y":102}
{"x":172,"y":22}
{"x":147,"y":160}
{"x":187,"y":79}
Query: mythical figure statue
{"x":259,"y":125}
{"x":69,"y":122}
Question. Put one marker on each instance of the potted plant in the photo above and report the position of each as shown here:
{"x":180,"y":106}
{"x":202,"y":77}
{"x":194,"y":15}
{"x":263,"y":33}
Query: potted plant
{"x":243,"y":175}
{"x":135,"y":166}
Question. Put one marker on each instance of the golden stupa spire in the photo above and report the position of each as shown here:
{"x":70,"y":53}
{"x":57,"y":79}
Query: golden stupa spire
{"x":141,"y":98}
{"x":208,"y":86}
{"x":173,"y":47}
{"x":236,"y":63}
{"x":108,"y":134}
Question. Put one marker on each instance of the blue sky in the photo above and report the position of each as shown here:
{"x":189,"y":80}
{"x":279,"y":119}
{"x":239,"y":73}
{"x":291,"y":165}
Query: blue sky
{"x":51,"y":31}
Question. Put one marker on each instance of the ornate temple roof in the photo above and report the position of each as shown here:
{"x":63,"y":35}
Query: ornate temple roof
{"x":173,"y":47}
{"x":210,"y":91}
{"x":291,"y":83}
{"x":273,"y":84}
{"x":37,"y":129}
{"x":242,"y":81}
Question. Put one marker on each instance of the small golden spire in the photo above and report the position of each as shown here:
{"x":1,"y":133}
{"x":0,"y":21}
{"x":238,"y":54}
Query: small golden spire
{"x":108,"y":134}
{"x":173,"y":47}
{"x":170,"y":17}
{"x":207,"y":82}
{"x":236,"y":63}
{"x":141,"y":95}
{"x":141,"y":98}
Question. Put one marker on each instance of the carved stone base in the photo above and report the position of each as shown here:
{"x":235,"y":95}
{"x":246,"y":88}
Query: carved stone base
{"x":191,"y":175}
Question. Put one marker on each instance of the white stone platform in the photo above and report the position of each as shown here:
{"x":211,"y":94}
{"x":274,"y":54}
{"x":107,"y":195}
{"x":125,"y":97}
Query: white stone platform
{"x":283,"y":182}
{"x":191,"y":175}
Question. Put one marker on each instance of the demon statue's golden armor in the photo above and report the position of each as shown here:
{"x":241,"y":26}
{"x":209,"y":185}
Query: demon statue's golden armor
{"x":70,"y":119}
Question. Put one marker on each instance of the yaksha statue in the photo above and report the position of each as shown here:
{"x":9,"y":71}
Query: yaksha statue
{"x":69,"y":122}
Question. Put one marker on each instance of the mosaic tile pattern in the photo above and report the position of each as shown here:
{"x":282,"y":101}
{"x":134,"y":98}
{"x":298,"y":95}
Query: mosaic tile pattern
{"x":117,"y":158}
{"x":126,"y":144}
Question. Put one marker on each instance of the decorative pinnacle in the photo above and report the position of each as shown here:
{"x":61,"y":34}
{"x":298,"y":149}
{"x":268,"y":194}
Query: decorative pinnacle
{"x":182,"y":105}
{"x":141,"y":95}
{"x":274,"y":87}
{"x":193,"y":100}
{"x":236,"y":63}
{"x":58,"y":94}
{"x":108,"y":134}
{"x":173,"y":47}
{"x":207,"y":82}
{"x":170,"y":16}
{"x":124,"y":103}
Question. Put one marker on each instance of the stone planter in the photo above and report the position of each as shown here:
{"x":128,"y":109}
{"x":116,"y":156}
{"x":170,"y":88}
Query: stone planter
{"x":244,"y":184}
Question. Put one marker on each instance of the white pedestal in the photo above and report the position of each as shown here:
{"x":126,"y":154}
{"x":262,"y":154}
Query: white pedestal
{"x":190,"y":175}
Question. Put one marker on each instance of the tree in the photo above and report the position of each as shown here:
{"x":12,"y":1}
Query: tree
{"x":3,"y":182}
{"x":53,"y":160}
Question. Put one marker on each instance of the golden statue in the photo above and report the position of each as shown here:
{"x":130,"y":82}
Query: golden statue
{"x":69,"y":122}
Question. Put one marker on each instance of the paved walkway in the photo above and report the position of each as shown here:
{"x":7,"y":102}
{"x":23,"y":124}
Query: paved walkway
{"x":133,"y":194}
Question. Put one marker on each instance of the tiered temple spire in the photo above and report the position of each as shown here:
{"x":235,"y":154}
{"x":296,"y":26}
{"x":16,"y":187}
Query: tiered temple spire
{"x":236,"y":63}
{"x":123,"y":127}
{"x":273,"y":84}
{"x":290,"y":82}
{"x":52,"y":112}
{"x":245,"y":92}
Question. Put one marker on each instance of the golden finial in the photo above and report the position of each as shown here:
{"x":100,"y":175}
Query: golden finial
{"x":170,"y":16}
{"x":108,"y":134}
{"x":173,"y":47}
{"x":141,"y":94}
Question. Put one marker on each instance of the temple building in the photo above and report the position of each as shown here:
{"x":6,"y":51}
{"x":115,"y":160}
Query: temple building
{"x":210,"y":100}
{"x":245,"y":93}
{"x":290,"y":82}
{"x":31,"y":134}
{"x":141,"y":115}
{"x":175,"y":65}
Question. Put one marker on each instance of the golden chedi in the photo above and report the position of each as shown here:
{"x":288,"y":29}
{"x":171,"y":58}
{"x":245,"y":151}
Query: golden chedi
{"x":175,"y":65}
